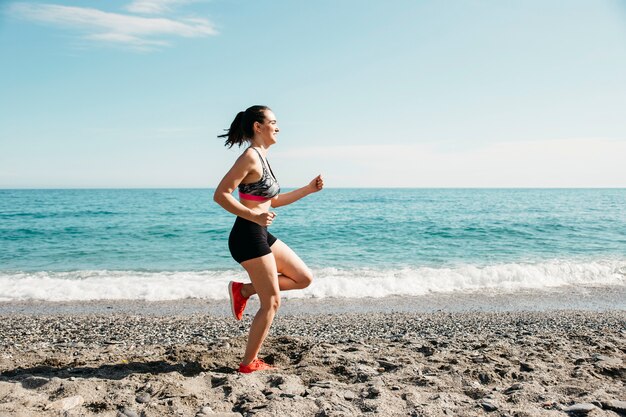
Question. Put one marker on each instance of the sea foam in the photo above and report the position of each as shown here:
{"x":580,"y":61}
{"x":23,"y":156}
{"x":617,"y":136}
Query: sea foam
{"x":328,"y":282}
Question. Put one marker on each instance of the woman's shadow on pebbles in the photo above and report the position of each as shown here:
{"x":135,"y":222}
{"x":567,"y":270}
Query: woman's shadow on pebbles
{"x":37,"y":376}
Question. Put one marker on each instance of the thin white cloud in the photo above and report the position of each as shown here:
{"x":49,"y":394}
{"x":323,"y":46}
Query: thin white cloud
{"x":154,"y":6}
{"x":136,"y":31}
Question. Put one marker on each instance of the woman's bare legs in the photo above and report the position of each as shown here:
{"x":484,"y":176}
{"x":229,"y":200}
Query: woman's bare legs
{"x":264,"y":277}
{"x":294,"y":274}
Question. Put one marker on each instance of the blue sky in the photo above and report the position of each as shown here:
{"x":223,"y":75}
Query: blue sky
{"x":370,"y":94}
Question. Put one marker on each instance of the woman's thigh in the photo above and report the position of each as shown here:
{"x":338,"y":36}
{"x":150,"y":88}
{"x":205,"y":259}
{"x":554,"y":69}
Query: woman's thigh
{"x":264,"y":276}
{"x":289,"y":263}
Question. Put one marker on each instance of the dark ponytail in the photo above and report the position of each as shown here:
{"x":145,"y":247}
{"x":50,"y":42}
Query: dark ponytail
{"x":242,"y":128}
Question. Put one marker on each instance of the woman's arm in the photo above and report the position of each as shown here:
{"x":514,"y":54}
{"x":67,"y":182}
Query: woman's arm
{"x":292,"y":196}
{"x":223,"y":193}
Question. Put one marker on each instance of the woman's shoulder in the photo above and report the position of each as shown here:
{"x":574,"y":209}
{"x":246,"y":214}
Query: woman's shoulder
{"x":248,"y":156}
{"x":248,"y":153}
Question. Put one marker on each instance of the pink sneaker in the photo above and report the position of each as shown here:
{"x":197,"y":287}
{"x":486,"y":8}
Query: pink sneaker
{"x":237,"y":301}
{"x":256,"y":365}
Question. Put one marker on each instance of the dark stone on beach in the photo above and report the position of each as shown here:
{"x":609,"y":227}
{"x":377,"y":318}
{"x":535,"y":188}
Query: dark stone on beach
{"x":488,"y":406}
{"x":610,"y":366}
{"x":615,"y":405}
{"x":578,"y":409}
{"x":143,"y":398}
{"x":321,"y":384}
{"x":515,"y":387}
{"x":276,"y":380}
{"x":387,"y":366}
{"x":475,"y":393}
{"x":571,"y":390}
{"x":484,"y":378}
{"x":426,"y":350}
{"x":370,"y":392}
{"x":34,"y":382}
{"x":525,"y":367}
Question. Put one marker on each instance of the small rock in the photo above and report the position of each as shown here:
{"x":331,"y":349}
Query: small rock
{"x":291,"y":385}
{"x":33,"y":382}
{"x":206,"y":410}
{"x":348,"y":395}
{"x":484,"y":378}
{"x":143,"y":398}
{"x":515,"y":387}
{"x":549,"y":404}
{"x":605,"y":358}
{"x":615,"y":405}
{"x":488,"y":406}
{"x":322,"y":384}
{"x":386,"y":365}
{"x":127,"y":412}
{"x":582,"y":408}
{"x":526,"y":367}
{"x":65,"y":404}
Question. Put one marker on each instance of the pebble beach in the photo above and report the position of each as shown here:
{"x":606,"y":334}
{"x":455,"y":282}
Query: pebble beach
{"x":99,"y":362}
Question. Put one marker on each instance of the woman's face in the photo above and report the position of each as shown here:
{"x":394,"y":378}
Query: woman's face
{"x":269,"y":128}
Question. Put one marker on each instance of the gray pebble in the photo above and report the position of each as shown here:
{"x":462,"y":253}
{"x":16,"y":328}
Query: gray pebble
{"x":582,"y":408}
{"x":526,"y":367}
{"x":488,"y":406}
{"x":615,"y":405}
{"x":515,"y":387}
{"x":33,"y":382}
{"x":127,"y":412}
{"x":143,"y":398}
{"x":348,"y":395}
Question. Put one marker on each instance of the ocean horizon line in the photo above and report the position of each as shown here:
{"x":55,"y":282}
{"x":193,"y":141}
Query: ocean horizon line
{"x":326,"y":188}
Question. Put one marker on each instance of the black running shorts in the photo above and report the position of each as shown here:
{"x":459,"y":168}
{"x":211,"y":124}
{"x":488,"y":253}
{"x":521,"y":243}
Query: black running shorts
{"x":249,"y":240}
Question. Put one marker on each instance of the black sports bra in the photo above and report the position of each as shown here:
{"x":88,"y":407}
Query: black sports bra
{"x":264,"y":189}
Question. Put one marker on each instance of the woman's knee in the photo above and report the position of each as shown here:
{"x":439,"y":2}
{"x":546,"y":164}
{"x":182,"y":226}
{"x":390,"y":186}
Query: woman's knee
{"x":306,"y":278}
{"x":271,"y":303}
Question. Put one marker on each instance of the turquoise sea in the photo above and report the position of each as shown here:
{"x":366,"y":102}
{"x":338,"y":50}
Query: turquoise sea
{"x":158,"y":244}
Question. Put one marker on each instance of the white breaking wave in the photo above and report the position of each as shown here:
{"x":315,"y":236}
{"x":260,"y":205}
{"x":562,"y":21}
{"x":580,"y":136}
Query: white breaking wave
{"x":328,"y":282}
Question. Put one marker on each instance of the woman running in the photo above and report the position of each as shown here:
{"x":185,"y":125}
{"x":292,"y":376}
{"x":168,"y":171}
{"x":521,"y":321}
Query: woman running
{"x":271,"y":265}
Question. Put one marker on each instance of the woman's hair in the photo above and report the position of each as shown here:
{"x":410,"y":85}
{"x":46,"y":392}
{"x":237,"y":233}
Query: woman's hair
{"x":241,"y":129}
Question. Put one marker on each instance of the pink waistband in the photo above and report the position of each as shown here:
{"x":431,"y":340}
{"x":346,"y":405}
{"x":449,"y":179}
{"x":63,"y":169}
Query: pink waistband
{"x":252,"y":197}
